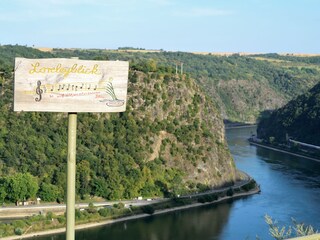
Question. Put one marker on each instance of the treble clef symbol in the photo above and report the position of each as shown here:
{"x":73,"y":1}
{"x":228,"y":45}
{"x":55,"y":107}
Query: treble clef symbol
{"x":39,"y":91}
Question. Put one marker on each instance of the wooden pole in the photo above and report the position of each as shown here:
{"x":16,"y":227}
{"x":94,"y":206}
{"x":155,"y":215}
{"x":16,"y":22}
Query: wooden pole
{"x":71,"y":175}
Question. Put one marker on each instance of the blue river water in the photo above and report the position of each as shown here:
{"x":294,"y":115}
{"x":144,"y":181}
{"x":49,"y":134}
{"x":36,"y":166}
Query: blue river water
{"x":290,"y":188}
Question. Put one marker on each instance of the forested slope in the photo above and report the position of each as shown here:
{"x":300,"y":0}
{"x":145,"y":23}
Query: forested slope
{"x":242,"y":86}
{"x":169,"y":141}
{"x":299,"y":120}
{"x":171,"y":138}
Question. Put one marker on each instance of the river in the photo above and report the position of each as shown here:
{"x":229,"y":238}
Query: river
{"x":290,"y":188}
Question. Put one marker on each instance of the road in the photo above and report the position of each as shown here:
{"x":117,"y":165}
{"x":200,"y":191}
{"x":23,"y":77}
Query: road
{"x":23,"y":211}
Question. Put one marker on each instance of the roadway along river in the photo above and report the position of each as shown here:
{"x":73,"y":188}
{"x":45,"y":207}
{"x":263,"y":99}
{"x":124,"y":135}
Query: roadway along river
{"x":290,"y":188}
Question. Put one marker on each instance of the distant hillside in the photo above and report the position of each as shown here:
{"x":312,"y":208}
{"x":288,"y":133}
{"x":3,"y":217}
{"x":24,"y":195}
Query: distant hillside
{"x":299,"y":119}
{"x":241,"y":86}
{"x":169,"y":141}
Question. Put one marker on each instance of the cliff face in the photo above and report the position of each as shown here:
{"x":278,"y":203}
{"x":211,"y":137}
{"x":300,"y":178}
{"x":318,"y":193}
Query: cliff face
{"x":191,"y":131}
{"x":243,"y":100}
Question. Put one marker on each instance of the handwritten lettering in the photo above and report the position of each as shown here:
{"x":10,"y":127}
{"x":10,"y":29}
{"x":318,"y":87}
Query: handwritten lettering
{"x":65,"y":71}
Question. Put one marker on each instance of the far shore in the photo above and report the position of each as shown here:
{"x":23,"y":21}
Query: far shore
{"x":240,"y":126}
{"x":128,"y":218}
{"x":230,"y":125}
{"x":283,"y":151}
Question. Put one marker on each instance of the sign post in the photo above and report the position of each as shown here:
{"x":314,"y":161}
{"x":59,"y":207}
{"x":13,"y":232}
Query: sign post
{"x":72,"y":86}
{"x":71,"y":174}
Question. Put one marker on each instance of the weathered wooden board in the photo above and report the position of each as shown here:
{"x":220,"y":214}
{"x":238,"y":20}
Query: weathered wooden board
{"x":70,"y":85}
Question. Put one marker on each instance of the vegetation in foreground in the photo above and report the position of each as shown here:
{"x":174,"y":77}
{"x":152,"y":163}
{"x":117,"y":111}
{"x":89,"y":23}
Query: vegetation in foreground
{"x":296,"y":230}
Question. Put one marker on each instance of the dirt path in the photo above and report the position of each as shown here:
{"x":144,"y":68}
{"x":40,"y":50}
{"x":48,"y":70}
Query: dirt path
{"x":157,"y":146}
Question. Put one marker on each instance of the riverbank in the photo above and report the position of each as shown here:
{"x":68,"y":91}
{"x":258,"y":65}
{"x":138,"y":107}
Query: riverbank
{"x":129,"y":218}
{"x":239,"y":189}
{"x":230,"y":125}
{"x":278,"y":149}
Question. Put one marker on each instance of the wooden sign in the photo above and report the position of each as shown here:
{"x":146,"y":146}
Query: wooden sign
{"x":70,"y":85}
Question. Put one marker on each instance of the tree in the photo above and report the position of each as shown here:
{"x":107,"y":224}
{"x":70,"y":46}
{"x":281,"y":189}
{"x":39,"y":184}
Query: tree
{"x":83,"y":177}
{"x":21,"y":186}
{"x":99,"y":188}
{"x":49,"y":192}
{"x":3,"y":192}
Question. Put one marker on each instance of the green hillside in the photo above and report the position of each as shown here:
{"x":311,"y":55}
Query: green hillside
{"x":299,"y":119}
{"x":169,"y":141}
{"x":242,"y":86}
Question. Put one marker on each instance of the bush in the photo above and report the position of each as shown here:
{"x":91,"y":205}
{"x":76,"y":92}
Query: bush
{"x":47,"y":222}
{"x":119,"y":205}
{"x":208,"y":198}
{"x":211,"y":198}
{"x":61,"y":219}
{"x":104,"y":212}
{"x":18,"y":231}
{"x":178,"y":201}
{"x":19,"y":224}
{"x":148,"y":209}
{"x":50,"y":215}
{"x":230,"y":192}
{"x":249,"y":186}
{"x":201,"y":200}
{"x":78,"y":214}
{"x":201,"y":187}
{"x":92,"y":209}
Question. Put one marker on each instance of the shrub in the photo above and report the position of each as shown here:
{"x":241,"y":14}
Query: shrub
{"x":208,"y":198}
{"x":148,"y":209}
{"x":230,"y":192}
{"x":78,"y":214}
{"x":19,"y":224}
{"x":50,"y":215}
{"x":249,"y":185}
{"x":104,"y":212}
{"x":61,"y":219}
{"x":201,"y":187}
{"x":18,"y":231}
{"x":91,"y":208}
{"x":211,"y":198}
{"x":119,"y":205}
{"x":47,"y":222}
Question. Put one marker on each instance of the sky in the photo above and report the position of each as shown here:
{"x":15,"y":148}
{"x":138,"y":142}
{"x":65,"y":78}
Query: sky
{"x":259,"y":26}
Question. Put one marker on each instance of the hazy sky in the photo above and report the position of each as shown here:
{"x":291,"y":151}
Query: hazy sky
{"x":185,"y":25}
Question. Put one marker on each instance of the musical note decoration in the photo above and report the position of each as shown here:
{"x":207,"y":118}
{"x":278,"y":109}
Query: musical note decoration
{"x":39,"y":92}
